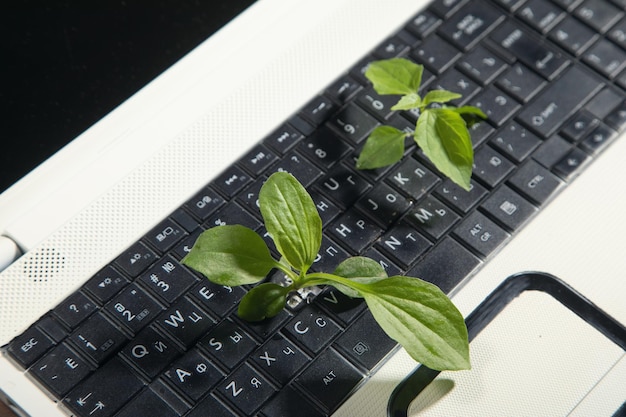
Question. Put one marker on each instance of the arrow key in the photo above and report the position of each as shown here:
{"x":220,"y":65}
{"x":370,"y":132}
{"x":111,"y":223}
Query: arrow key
{"x":568,"y":167}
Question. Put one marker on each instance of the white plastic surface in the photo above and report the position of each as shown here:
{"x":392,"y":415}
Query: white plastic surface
{"x":290,"y":43}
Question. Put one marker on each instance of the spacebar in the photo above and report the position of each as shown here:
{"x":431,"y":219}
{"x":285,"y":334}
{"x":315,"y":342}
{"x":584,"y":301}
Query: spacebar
{"x":562,"y":98}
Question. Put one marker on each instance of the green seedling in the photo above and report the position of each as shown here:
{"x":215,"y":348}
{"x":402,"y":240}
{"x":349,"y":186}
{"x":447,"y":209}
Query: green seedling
{"x":441,"y":130}
{"x":415,"y":313}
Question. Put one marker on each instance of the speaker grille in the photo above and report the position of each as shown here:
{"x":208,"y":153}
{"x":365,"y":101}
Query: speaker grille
{"x":43,"y":264}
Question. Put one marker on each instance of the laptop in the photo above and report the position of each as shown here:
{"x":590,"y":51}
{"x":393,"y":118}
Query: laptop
{"x":546,"y":201}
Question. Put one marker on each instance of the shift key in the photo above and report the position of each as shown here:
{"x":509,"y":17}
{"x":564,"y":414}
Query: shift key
{"x":560,"y":100}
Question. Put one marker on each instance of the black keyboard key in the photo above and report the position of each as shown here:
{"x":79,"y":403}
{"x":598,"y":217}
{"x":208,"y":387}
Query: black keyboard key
{"x":559,"y":100}
{"x":231,"y":181}
{"x":541,"y":15}
{"x":496,"y":104}
{"x":167,"y":279}
{"x":74,"y":309}
{"x":204,"y":203}
{"x":454,"y":80}
{"x":482,"y":65}
{"x":606,"y":58}
{"x":552,"y":151}
{"x":446,"y":265}
{"x":343,"y":89}
{"x":135,"y":259}
{"x":290,"y":402}
{"x":436,"y":54}
{"x":247,"y":389}
{"x":515,"y":141}
{"x":61,"y":369}
{"x":573,"y":36}
{"x":470,"y":24}
{"x":184,"y":219}
{"x":217,"y":298}
{"x":29,"y":346}
{"x":339,"y":305}
{"x":343,"y":186}
{"x":133,"y":307}
{"x":147,"y":403}
{"x":598,"y":139}
{"x":258,"y":160}
{"x":329,"y":379}
{"x":329,"y":256}
{"x":165,"y":235}
{"x":168,"y":394}
{"x":531,"y":51}
{"x":280,"y":359}
{"x":233,"y":213}
{"x":423,"y":24}
{"x":193,"y":374}
{"x":283,"y":139}
{"x":353,"y":123}
{"x":413,"y":178}
{"x":185,"y":322}
{"x":324,"y":148}
{"x":52,"y":328}
{"x":617,"y":118}
{"x":326,"y":209}
{"x":378,"y":105}
{"x":365,"y":342}
{"x":103,"y":393}
{"x":603,"y":103}
{"x":151,"y":352}
{"x":579,"y":126}
{"x":383,"y":204}
{"x":520,"y":82}
{"x":228,"y":343}
{"x":98,"y":338}
{"x":312,"y":329}
{"x":490,"y":166}
{"x":298,"y":166}
{"x":318,"y":110}
{"x":355,"y":230}
{"x":599,"y":14}
{"x":481,"y":234}
{"x":395,"y":46}
{"x":432,"y":217}
{"x":458,"y":197}
{"x":509,"y":208}
{"x":535,"y":182}
{"x":403,"y":244}
{"x":618,"y":33}
{"x":105,"y":284}
{"x":445,"y":8}
{"x":568,"y":167}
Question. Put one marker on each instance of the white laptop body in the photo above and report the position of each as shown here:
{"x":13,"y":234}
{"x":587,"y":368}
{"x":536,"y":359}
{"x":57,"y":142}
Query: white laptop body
{"x":82,"y":207}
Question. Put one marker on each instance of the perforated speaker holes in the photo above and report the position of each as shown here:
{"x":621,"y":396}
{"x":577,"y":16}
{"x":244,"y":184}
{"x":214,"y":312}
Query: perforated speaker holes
{"x":44,"y":264}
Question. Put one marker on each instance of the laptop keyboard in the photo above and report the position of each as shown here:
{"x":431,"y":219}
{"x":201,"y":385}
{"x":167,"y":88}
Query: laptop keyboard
{"x":147,"y":336}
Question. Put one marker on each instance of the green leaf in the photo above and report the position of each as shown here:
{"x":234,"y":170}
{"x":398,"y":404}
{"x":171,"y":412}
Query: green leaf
{"x":291,"y":219}
{"x":408,"y":102}
{"x":263,"y":301}
{"x":384,"y":146}
{"x":443,"y":136}
{"x":230,"y":255}
{"x":470,"y":110}
{"x":439,"y":96}
{"x":360,"y":269}
{"x":422,"y":319}
{"x":395,"y":76}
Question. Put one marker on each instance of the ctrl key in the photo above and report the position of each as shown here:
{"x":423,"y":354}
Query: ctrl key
{"x":330,"y":379}
{"x":104,"y":392}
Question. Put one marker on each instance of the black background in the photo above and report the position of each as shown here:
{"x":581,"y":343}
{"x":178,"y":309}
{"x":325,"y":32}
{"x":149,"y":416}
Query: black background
{"x":65,"y":64}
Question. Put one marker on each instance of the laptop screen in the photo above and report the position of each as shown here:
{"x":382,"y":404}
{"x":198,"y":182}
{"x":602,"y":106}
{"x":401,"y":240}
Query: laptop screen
{"x":69,"y":64}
